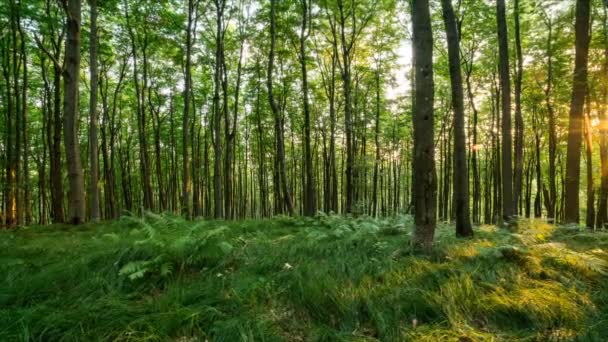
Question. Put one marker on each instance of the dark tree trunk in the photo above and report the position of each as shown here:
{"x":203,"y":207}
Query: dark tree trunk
{"x":519,"y":121}
{"x":280,"y":153}
{"x":425,"y":182}
{"x":93,"y":156}
{"x":217,"y":143}
{"x":56,"y":177}
{"x":575,"y":128}
{"x":590,"y":217}
{"x":186,"y":183}
{"x":461,"y":173}
{"x":377,"y":143}
{"x":505,"y":88}
{"x":602,"y":210}
{"x":71,"y":75}
{"x":310,"y":196}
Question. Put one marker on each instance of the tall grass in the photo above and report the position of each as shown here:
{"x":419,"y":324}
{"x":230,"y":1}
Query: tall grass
{"x":161,"y":278}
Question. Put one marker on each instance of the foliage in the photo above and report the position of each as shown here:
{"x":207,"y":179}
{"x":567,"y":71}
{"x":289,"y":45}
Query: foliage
{"x":325,"y":278}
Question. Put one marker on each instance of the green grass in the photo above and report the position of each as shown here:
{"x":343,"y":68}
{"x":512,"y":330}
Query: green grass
{"x":324,"y":279}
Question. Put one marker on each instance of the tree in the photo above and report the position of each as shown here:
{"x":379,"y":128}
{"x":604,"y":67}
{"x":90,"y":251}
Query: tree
{"x":217,"y":143}
{"x":519,"y":121}
{"x":602,"y":210}
{"x":505,"y":88}
{"x":575,"y":127}
{"x":461,"y":173}
{"x":71,"y":75}
{"x":425,"y":181}
{"x":186,"y":183}
{"x":278,"y":126}
{"x":310,"y":199}
{"x":93,"y":156}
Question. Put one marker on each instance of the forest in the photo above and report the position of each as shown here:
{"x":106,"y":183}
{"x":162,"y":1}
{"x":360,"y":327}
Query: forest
{"x":304,"y":170}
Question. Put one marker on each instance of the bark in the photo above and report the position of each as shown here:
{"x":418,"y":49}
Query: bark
{"x":579,"y":89}
{"x":217,"y":143}
{"x":551,"y":198}
{"x":76,"y":198}
{"x":505,"y":86}
{"x":377,"y":143}
{"x":93,"y":156}
{"x":590,"y":218}
{"x":27,"y":193}
{"x":186,"y":183}
{"x":519,"y":121}
{"x":475,"y":147}
{"x":280,"y":145}
{"x":140,"y":92}
{"x":262,"y":180}
{"x":346,"y":47}
{"x":461,"y":173}
{"x":310,"y":198}
{"x":602,"y":210}
{"x":425,"y":182}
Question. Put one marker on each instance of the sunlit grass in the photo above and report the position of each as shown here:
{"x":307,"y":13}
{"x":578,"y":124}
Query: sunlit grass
{"x":325,"y":279}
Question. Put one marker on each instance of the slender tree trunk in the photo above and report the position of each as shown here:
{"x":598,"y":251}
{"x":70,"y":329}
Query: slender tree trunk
{"x":425,"y":182}
{"x":461,"y":173}
{"x":217,"y":143}
{"x":519,"y":121}
{"x":186,"y":183}
{"x":377,"y":143}
{"x":56,"y":177}
{"x":575,"y":128}
{"x":286,"y":197}
{"x":310,"y":196}
{"x":71,"y":75}
{"x":93,"y":157}
{"x":505,"y":86}
{"x":27,"y":192}
{"x":602,"y":210}
{"x":590,"y":219}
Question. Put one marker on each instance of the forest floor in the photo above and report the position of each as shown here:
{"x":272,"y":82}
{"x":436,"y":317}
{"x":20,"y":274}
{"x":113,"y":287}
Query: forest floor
{"x":294,"y":279}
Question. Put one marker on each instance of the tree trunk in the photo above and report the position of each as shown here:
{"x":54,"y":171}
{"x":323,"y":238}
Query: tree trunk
{"x":93,"y":157}
{"x":590,"y":218}
{"x":377,"y":143}
{"x":519,"y":121}
{"x":575,"y":128}
{"x":602,"y":210}
{"x":71,"y":75}
{"x":217,"y":143}
{"x":186,"y":183}
{"x":505,"y":87}
{"x":461,"y":173}
{"x":310,"y":198}
{"x":425,"y":182}
{"x":280,"y":153}
{"x":56,"y":177}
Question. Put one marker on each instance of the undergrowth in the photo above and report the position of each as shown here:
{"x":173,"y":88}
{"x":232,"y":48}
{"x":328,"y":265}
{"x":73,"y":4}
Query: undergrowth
{"x":160,"y":278}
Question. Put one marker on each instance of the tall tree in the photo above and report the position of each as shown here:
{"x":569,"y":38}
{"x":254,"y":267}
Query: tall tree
{"x":93,"y":156}
{"x":550,"y":194}
{"x":519,"y":121}
{"x":278,"y":119}
{"x":310,"y":198}
{"x":425,"y":179}
{"x":602,"y":209}
{"x":220,"y":6}
{"x":505,"y":88}
{"x":71,"y":75}
{"x":575,"y":127}
{"x":186,"y":183}
{"x":461,"y":173}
